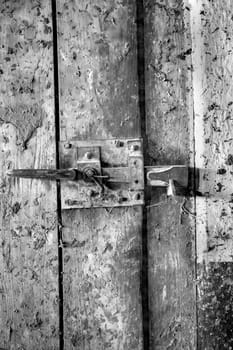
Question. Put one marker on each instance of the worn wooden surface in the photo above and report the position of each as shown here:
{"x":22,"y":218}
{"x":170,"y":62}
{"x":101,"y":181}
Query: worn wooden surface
{"x":28,"y":246}
{"x":171,"y":245}
{"x":212,"y":33}
{"x":98,"y":89}
{"x":102,"y":308}
{"x":102,"y":247}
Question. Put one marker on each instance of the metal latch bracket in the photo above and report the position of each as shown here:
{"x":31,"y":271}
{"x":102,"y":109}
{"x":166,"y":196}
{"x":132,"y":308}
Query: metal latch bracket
{"x":119,"y":173}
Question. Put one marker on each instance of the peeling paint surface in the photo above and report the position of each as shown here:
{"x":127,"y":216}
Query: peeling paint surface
{"x":214,"y":213}
{"x":28,"y":252}
{"x":215,"y":293}
{"x":19,"y":118}
{"x":211,"y":25}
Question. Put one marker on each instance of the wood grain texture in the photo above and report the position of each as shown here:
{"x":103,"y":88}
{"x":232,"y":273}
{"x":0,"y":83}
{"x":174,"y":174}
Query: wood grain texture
{"x":211,"y":25}
{"x":99,"y":100}
{"x":28,"y":247}
{"x":171,"y":245}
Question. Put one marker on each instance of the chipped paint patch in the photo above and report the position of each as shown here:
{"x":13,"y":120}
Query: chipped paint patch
{"x":25,"y":118}
{"x":215,"y":289}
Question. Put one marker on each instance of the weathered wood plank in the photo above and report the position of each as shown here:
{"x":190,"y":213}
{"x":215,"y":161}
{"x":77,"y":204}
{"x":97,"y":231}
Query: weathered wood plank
{"x":101,"y":279}
{"x":211,"y":25}
{"x":98,"y":99}
{"x":171,"y":245}
{"x":98,"y":91}
{"x":28,"y":239}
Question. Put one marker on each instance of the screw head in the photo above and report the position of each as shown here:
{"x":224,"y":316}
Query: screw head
{"x":67,"y":145}
{"x":137,"y":196}
{"x":88,"y":155}
{"x":135,"y":147}
{"x":89,"y":172}
{"x":119,"y":143}
{"x":90,"y":193}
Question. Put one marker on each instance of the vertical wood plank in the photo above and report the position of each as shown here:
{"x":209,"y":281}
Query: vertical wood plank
{"x":171,"y":246}
{"x":28,"y":239}
{"x":211,"y":25}
{"x":101,"y":279}
{"x":98,"y":89}
{"x":99,"y":100}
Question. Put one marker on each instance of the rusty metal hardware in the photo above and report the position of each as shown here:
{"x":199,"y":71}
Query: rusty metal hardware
{"x":101,"y":173}
{"x":106,"y":173}
{"x":119,"y":165}
{"x":88,"y":174}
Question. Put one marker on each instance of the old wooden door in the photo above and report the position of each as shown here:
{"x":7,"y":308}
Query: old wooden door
{"x":157,"y":276}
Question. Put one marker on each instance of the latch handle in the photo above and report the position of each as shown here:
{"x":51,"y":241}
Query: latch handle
{"x":170,"y":177}
{"x":48,"y":174}
{"x":57,"y":174}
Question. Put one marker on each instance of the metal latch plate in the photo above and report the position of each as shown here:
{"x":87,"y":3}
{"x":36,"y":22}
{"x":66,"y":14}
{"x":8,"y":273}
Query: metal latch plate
{"x":121,"y":161}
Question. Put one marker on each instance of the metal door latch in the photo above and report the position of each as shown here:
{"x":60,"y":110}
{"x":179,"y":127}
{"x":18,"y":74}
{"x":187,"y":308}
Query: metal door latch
{"x":105,"y":173}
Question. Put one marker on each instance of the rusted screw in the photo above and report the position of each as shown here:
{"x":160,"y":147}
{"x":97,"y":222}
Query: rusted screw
{"x":137,"y":196}
{"x":89,"y":172}
{"x":135,"y":147}
{"x":90,"y":193}
{"x":67,"y":145}
{"x":88,"y":155}
{"x":120,"y":200}
{"x":119,"y":143}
